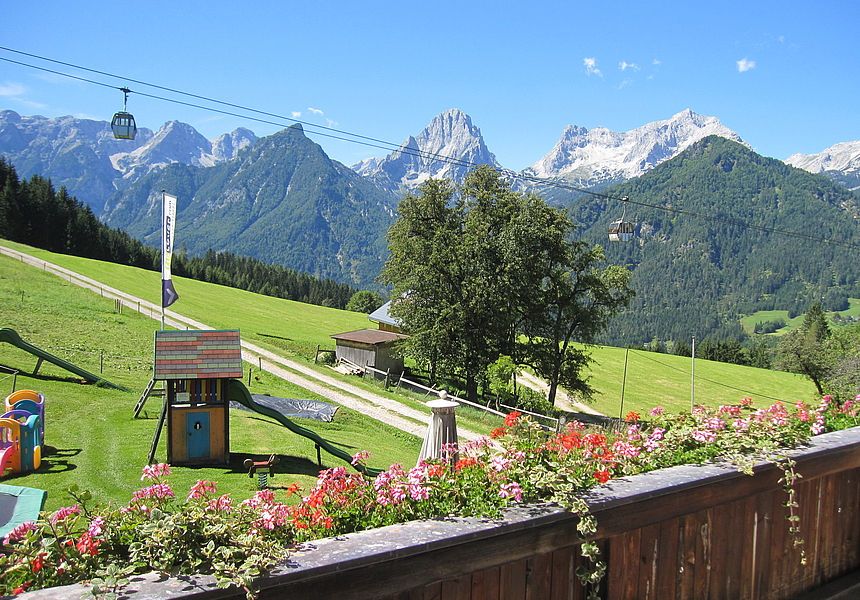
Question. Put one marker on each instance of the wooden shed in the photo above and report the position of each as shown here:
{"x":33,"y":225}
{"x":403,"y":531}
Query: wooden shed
{"x":370,"y":347}
{"x":197,"y":367}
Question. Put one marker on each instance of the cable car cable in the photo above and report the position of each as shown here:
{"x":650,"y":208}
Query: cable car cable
{"x":389,"y":146}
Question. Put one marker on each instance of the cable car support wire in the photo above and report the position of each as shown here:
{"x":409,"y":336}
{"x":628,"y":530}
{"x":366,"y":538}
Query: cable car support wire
{"x":390,"y":146}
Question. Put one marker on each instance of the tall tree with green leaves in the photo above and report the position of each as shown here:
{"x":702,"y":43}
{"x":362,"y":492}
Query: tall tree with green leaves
{"x":481,"y":271}
{"x":804,"y":350}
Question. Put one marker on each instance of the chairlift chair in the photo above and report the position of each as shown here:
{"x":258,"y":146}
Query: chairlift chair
{"x":122,"y":124}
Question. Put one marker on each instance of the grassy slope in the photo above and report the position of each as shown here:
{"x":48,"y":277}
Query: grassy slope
{"x":91,"y":436}
{"x":57,"y":315}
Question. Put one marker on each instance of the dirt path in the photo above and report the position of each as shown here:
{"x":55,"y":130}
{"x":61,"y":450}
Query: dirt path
{"x":562,"y":399}
{"x":373,"y":405}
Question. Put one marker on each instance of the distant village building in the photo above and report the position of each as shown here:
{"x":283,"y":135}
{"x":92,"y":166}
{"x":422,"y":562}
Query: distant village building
{"x":385,"y":321}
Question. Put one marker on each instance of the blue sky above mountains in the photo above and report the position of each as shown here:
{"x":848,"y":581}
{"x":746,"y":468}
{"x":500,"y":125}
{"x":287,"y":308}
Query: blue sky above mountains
{"x":781,"y":74}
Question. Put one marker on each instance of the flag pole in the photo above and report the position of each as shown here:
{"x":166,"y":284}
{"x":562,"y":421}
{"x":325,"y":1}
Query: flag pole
{"x":163,"y":251}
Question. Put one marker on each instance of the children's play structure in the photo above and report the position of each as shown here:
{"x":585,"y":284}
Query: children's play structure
{"x":200,"y":372}
{"x":10,"y":336}
{"x":22,"y":432}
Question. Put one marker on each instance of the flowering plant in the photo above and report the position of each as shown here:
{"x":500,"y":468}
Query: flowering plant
{"x":521,"y":461}
{"x":205,"y":534}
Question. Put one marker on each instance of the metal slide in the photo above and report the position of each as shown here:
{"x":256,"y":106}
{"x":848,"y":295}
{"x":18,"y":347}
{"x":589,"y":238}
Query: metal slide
{"x":239,"y":393}
{"x":10,"y":336}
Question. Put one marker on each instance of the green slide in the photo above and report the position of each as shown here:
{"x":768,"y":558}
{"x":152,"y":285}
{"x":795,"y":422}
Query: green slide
{"x":239,"y":393}
{"x":10,"y":336}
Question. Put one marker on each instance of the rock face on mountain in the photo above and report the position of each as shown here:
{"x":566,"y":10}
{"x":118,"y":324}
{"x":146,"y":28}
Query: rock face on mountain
{"x":83,"y":155}
{"x":840,"y":162}
{"x":599,"y":157}
{"x":447,"y":149}
{"x":282,"y":201}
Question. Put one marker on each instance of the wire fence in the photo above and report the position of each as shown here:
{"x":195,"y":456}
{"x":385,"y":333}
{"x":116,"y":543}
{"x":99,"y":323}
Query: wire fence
{"x":402,"y":383}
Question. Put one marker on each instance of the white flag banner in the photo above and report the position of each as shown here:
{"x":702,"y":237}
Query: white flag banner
{"x":168,"y":294}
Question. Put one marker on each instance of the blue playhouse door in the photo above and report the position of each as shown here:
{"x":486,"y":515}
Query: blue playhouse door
{"x":197,"y":433}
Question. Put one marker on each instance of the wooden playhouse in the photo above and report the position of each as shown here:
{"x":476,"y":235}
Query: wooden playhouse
{"x":196,"y":368}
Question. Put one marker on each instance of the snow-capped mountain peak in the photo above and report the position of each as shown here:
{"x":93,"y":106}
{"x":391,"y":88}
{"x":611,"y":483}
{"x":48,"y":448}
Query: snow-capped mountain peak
{"x":447,"y":148}
{"x":844,"y":156}
{"x":600,"y":156}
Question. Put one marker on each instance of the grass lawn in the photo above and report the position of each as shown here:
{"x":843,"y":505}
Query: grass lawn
{"x":91,"y":436}
{"x":665,"y":380}
{"x":95,"y":442}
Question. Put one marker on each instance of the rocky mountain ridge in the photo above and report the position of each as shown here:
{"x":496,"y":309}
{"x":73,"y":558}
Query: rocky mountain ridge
{"x":84,"y":156}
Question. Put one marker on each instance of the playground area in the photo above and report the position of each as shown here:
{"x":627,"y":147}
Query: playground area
{"x":95,"y":442}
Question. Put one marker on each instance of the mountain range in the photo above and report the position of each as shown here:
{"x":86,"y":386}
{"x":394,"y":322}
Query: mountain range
{"x":84,"y":156}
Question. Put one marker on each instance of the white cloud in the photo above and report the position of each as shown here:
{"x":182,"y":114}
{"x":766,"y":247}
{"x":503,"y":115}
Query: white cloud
{"x":332,"y":123}
{"x":315,"y":111}
{"x":12,"y":89}
{"x":624,"y":65}
{"x":655,"y":62}
{"x":296,"y":114}
{"x":591,"y":67}
{"x":745,"y":65}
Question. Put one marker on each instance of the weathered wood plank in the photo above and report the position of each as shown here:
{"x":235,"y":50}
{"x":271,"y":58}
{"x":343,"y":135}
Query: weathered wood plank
{"x":563,"y":578}
{"x":667,"y":559}
{"x":486,"y":584}
{"x":512,"y":581}
{"x":649,"y":548}
{"x":539,"y":577}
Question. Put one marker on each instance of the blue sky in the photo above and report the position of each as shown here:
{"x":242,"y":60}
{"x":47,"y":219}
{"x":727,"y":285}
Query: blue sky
{"x":783,"y":75}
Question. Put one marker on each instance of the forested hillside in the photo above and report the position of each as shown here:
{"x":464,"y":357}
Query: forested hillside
{"x":711,"y":242}
{"x":33,"y":213}
{"x":282,"y":201}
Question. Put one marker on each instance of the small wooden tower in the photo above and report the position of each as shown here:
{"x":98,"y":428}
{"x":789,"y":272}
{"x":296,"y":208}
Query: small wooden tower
{"x":197,"y":367}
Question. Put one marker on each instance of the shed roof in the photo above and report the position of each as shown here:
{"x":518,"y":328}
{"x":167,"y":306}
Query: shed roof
{"x":369,"y":336}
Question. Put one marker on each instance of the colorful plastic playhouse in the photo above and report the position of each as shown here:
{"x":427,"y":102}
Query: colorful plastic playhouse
{"x":197,"y":367}
{"x":22,"y":432}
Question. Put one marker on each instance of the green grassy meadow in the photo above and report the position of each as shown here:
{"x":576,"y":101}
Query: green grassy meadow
{"x":91,"y":436}
{"x":94,"y":441}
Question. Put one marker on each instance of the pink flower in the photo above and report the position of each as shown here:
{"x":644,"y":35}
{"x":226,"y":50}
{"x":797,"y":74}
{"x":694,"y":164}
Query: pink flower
{"x":65,"y":512}
{"x":511,"y":490}
{"x":155,"y":471}
{"x":704,"y":436}
{"x":627,"y":449}
{"x":96,"y":527}
{"x":656,"y":411}
{"x":20,"y":532}
{"x":360,"y":457}
{"x":222,"y":504}
{"x":202,"y":489}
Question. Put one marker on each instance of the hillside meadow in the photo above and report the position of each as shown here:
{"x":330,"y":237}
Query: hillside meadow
{"x":91,"y":436}
{"x":94,"y":440}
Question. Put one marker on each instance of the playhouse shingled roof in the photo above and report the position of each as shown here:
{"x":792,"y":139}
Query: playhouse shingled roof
{"x":197,"y":354}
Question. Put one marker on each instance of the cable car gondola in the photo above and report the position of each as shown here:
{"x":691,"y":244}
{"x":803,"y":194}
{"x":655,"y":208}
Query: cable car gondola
{"x":621,"y":230}
{"x":123,"y":122}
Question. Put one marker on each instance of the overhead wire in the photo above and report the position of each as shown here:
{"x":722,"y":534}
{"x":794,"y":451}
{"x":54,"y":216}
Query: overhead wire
{"x":700,"y":378}
{"x":341,"y":135}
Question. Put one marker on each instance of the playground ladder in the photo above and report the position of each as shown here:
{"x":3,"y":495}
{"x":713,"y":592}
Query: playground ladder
{"x":149,"y":391}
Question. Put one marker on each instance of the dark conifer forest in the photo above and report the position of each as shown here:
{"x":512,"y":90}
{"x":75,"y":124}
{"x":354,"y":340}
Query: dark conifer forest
{"x":32,"y":212}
